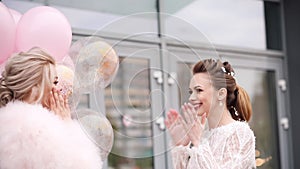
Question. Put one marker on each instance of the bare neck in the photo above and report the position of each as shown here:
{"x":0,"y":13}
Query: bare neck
{"x":220,"y":118}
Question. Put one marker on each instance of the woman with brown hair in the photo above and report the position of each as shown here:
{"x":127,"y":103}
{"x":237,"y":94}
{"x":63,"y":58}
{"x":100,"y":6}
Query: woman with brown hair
{"x":216,"y":98}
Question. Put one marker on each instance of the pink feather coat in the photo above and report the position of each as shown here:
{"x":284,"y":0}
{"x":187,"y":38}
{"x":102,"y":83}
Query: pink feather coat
{"x":31,"y":137}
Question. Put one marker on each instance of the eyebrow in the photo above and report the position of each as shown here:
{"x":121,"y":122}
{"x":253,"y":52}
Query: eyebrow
{"x":195,"y":87}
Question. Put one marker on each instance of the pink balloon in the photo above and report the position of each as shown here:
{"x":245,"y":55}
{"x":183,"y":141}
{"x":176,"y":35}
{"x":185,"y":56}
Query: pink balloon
{"x":2,"y":68}
{"x":7,"y":33}
{"x":47,"y":28}
{"x":16,"y":15}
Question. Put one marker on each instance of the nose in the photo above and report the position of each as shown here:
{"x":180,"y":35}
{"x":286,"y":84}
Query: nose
{"x":192,"y":97}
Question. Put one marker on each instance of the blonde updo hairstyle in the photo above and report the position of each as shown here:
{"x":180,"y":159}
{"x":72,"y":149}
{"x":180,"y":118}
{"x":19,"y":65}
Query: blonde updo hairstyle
{"x":23,"y":72}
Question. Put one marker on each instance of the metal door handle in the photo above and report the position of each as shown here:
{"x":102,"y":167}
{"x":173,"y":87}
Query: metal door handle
{"x":284,"y":121}
{"x":158,"y":76}
{"x":161,"y":123}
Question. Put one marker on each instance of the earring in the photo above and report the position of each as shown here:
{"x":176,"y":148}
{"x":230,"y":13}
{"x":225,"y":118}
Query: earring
{"x":220,"y":103}
{"x":235,"y":111}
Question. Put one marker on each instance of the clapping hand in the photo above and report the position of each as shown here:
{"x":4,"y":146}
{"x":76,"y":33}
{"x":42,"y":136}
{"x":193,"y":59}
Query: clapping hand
{"x":176,"y":129}
{"x":193,"y":124}
{"x":59,"y":104}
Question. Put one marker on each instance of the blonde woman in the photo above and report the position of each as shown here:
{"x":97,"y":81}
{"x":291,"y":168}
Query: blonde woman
{"x":215,"y":97}
{"x":37,"y":131}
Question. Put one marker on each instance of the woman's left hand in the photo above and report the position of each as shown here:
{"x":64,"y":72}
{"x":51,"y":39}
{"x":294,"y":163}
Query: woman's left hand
{"x":59,"y":104}
{"x":193,"y":123}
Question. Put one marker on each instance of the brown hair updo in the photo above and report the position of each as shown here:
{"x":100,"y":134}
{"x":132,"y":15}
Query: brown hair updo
{"x":221,"y":74}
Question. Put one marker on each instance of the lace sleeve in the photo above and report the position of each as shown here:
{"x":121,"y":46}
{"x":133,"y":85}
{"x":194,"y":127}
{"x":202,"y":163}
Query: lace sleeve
{"x":202,"y":157}
{"x":224,"y":150}
{"x":180,"y":156}
{"x":242,"y":157}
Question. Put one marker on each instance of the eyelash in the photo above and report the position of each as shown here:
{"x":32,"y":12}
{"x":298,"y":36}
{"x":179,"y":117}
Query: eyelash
{"x":197,"y":90}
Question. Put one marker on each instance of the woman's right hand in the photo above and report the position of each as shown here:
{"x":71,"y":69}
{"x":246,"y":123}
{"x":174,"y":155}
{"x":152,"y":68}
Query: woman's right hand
{"x":176,"y":129}
{"x":59,"y":105}
{"x":193,"y":124}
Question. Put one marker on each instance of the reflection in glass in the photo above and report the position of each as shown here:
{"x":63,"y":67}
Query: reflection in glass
{"x":225,"y":22}
{"x":127,"y":103}
{"x":114,"y":16}
{"x":184,"y":73}
{"x":260,"y":86}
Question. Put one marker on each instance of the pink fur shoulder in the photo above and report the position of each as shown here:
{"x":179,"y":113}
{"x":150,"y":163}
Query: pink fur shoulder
{"x":31,"y":137}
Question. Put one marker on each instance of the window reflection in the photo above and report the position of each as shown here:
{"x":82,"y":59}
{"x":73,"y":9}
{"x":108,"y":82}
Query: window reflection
{"x":261,"y":89}
{"x":127,"y":103}
{"x":113,"y":17}
{"x":227,"y":22}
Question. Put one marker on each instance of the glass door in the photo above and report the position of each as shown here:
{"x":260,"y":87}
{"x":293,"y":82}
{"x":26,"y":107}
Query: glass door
{"x":261,"y":90}
{"x":260,"y":77}
{"x":133,"y":104}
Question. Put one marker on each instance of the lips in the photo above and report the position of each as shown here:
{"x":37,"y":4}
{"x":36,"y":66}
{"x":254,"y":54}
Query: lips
{"x":197,"y":106}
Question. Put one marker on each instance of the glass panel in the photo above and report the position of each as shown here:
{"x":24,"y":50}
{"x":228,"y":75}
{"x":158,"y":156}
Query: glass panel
{"x":113,"y":16}
{"x":128,"y":108}
{"x":184,"y":75}
{"x":226,"y":22}
{"x":84,"y":101}
{"x":260,"y":85}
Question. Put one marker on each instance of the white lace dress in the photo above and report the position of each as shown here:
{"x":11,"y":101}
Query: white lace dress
{"x":227,"y":147}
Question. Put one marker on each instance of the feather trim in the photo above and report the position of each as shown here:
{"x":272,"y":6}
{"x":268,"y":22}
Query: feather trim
{"x":32,"y":137}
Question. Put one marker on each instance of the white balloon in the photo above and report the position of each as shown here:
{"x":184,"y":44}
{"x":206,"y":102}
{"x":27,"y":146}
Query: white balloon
{"x":98,"y":128}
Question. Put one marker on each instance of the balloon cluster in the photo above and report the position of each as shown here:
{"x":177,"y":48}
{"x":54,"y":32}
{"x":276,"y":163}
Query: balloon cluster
{"x":42,"y":26}
{"x":89,"y":63}
{"x":96,"y":63}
